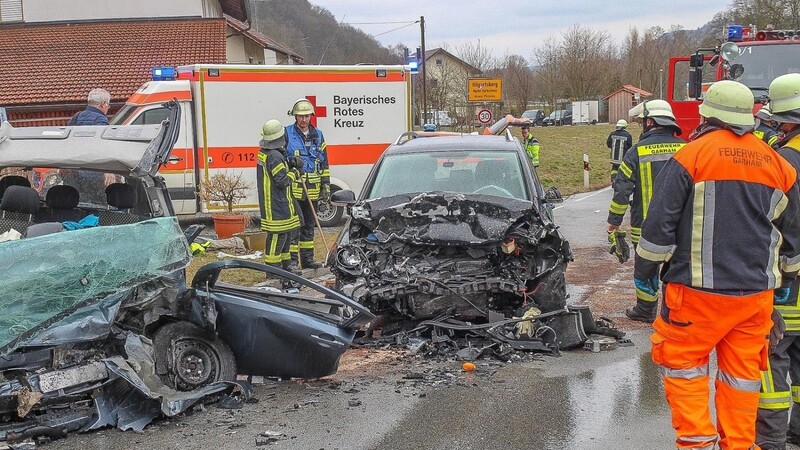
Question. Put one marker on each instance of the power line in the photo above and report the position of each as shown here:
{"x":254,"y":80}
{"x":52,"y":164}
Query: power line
{"x":378,"y":23}
{"x":394,"y":29}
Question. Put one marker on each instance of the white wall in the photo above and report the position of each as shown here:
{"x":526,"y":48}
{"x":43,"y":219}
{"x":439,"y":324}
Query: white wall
{"x":66,"y":10}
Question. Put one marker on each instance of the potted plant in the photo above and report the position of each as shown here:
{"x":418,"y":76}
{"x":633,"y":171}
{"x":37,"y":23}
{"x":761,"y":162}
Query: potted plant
{"x":226,"y":190}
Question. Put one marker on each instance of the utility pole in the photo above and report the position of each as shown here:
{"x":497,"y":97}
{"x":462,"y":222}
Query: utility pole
{"x":424,"y":71}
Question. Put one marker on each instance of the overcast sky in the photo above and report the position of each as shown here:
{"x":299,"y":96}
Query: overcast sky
{"x":513,"y":26}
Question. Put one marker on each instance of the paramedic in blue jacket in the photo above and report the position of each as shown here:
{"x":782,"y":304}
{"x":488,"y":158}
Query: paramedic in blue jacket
{"x":306,"y":141}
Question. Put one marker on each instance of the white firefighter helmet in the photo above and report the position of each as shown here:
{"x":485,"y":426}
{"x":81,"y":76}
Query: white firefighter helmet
{"x":730,"y":102}
{"x":764,"y":113}
{"x":272,"y":134}
{"x":658,"y":110}
{"x":622,"y":123}
{"x":784,"y":98}
{"x":302,"y":107}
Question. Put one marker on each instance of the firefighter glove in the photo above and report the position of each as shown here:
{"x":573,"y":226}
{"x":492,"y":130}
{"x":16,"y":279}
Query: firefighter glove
{"x":619,"y":246}
{"x":325,"y":193}
{"x":781,"y":296}
{"x":296,"y":162}
{"x":525,"y":327}
{"x":777,"y":331}
{"x":649,"y":287}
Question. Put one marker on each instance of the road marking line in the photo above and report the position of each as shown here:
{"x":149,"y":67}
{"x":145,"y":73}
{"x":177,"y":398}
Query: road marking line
{"x":584,"y":198}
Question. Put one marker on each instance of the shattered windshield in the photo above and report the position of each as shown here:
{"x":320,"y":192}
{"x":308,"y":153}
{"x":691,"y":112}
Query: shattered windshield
{"x":497,"y":173}
{"x":46,"y":278}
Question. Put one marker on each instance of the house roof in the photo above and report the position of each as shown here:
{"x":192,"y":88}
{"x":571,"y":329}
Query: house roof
{"x":469,"y":67}
{"x":630,"y":89}
{"x":235,"y":8}
{"x":262,"y":39}
{"x":58,"y":63}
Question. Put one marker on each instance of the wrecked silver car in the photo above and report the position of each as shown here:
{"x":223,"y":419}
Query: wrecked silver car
{"x":456,"y":225}
{"x":99,"y":327}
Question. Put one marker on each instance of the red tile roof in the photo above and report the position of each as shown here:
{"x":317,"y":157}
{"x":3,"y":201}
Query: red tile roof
{"x":58,"y":63}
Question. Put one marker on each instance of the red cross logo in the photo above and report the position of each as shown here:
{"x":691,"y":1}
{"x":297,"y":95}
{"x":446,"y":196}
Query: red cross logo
{"x":319,"y":111}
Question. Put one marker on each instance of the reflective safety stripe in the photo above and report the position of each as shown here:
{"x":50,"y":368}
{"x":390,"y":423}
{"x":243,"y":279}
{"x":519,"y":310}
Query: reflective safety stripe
{"x":653,"y":252}
{"x":740,"y":384}
{"x":646,"y":186}
{"x":775,"y":400}
{"x":790,"y":264}
{"x":286,"y":256}
{"x":279,"y":226}
{"x":693,"y":439}
{"x":278,"y":168}
{"x":796,"y":394}
{"x":645,"y":297}
{"x":305,"y":245}
{"x":636,"y":234}
{"x":618,"y":208}
{"x":687,"y":374}
{"x":767,"y":381}
{"x":627,"y":171}
{"x":293,"y":248}
{"x":702,"y":234}
{"x":790,"y":314}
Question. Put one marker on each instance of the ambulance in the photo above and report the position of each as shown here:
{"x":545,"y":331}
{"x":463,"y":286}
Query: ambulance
{"x":359,"y":109}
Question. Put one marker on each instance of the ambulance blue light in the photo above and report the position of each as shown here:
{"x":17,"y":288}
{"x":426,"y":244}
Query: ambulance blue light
{"x":164,"y":73}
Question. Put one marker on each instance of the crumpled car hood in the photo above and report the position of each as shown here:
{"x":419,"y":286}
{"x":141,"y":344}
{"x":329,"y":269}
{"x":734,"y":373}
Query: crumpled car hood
{"x":441,"y":218}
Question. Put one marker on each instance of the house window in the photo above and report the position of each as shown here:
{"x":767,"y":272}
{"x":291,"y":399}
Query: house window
{"x":633,"y":100}
{"x":10,"y":11}
{"x":439,"y":62}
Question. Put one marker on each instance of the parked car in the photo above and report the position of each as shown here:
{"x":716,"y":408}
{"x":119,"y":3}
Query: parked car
{"x":99,"y":327}
{"x":456,"y":224}
{"x":558,"y":117}
{"x":536,"y":116}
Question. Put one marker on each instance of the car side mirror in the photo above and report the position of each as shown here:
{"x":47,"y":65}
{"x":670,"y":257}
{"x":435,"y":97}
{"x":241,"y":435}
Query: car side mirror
{"x":192,"y":231}
{"x":345,"y":197}
{"x":553,"y":195}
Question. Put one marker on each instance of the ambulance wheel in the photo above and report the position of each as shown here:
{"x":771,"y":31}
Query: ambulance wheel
{"x":330,"y":215}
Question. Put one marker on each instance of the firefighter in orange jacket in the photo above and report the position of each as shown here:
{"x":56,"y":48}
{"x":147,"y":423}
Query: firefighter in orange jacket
{"x":724,"y":222}
{"x":774,"y":426}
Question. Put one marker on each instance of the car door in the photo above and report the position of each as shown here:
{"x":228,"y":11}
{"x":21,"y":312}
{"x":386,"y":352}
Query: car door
{"x":275,"y":333}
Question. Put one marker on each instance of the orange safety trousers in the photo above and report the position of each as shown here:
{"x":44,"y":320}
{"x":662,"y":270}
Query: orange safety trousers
{"x":691,"y":325}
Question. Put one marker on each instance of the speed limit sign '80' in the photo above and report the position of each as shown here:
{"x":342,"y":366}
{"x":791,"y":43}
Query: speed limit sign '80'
{"x":484,"y":116}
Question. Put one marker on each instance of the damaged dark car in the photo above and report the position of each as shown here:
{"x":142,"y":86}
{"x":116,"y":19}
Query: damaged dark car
{"x":99,"y":327}
{"x":457,"y":225}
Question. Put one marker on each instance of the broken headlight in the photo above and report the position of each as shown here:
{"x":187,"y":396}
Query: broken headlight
{"x":349,"y":261}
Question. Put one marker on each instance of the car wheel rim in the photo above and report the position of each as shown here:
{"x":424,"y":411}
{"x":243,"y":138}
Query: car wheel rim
{"x":325,"y":211}
{"x":194,"y":364}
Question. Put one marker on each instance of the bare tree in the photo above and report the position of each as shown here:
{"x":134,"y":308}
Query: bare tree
{"x":477,"y":56}
{"x":518,"y":80}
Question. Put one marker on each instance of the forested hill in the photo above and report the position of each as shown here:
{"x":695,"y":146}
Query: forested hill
{"x":313,"y":32}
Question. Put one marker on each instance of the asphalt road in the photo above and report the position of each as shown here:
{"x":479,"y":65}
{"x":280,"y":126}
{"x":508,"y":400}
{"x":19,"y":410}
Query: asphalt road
{"x":383,"y":399}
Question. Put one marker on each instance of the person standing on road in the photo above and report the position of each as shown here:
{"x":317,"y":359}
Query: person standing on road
{"x":765,"y":129}
{"x":637,"y":177}
{"x":619,"y":141}
{"x":95,"y":113}
{"x":278,"y":215}
{"x":724,"y":223}
{"x":774,"y":427}
{"x":307,"y":142}
{"x":531,"y":144}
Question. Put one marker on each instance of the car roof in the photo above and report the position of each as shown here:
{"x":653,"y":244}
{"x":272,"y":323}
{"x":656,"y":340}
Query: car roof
{"x":454,"y":143}
{"x":104,"y":148}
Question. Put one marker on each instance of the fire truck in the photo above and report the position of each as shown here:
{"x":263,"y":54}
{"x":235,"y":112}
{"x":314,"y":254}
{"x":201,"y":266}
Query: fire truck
{"x":360,"y":109}
{"x":748,"y":55}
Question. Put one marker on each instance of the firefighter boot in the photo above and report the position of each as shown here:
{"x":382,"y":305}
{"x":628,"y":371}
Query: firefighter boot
{"x":293,"y":267}
{"x":286,"y":283}
{"x":643,"y":311}
{"x":307,"y":259}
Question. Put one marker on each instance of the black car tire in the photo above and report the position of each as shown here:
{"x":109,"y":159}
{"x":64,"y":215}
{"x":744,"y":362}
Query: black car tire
{"x":552,"y":295}
{"x":206,"y":358}
{"x":329,"y":215}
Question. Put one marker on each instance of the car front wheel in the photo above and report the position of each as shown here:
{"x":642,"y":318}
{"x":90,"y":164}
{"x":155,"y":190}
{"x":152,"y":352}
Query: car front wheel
{"x":552,"y":294}
{"x":329,"y":215}
{"x":188,"y":357}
